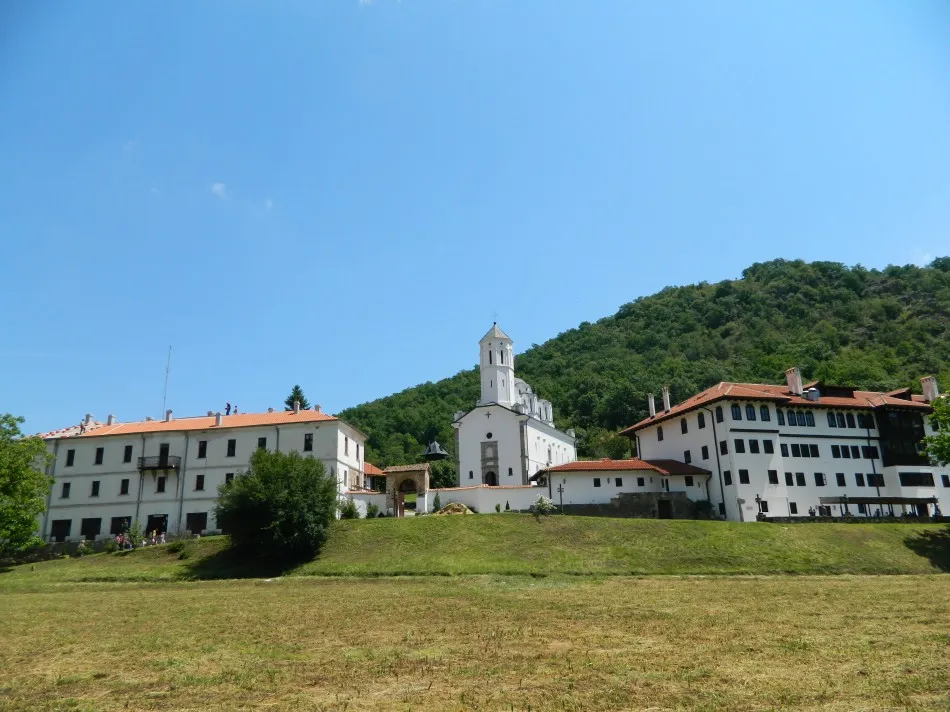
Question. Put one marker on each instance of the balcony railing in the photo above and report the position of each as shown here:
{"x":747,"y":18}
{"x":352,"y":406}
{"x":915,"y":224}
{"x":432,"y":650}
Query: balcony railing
{"x":168,"y":462}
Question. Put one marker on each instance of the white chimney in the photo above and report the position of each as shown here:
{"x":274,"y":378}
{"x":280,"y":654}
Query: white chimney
{"x":168,"y":416}
{"x":929,"y":386}
{"x":217,"y":419}
{"x":793,"y":377}
{"x":316,"y":408}
{"x":296,"y":407}
{"x":110,"y":420}
{"x":88,"y":419}
{"x":666,"y":398}
{"x":651,"y":404}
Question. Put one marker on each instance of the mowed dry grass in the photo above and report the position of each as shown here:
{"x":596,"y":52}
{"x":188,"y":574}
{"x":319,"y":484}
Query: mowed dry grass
{"x":480,"y":643}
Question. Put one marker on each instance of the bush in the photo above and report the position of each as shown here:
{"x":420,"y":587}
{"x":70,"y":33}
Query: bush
{"x":110,"y":546}
{"x":82,"y":549}
{"x":507,"y":506}
{"x":497,"y":507}
{"x":349,"y":510}
{"x":281,"y":508}
{"x":542,"y":506}
{"x":436,"y":503}
{"x":372,"y":510}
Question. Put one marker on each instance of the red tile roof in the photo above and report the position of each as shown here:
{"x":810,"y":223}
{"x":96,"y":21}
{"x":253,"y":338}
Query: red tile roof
{"x":206,"y":422}
{"x":71,"y":431}
{"x":370,"y":470}
{"x":781,"y":395}
{"x":663,"y":467}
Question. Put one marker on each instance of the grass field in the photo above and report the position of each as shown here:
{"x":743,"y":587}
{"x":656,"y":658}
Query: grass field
{"x":519,"y":545}
{"x":480,"y":643}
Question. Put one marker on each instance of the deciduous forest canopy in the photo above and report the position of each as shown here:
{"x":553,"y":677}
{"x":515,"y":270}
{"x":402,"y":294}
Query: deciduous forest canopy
{"x":878,"y":329}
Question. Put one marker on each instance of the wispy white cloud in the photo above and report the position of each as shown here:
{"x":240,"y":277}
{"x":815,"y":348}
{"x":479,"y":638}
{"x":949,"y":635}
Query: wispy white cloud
{"x":220,"y":190}
{"x":922,"y":258}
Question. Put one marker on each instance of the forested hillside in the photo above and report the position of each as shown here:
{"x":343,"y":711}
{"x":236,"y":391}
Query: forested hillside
{"x":878,"y":329}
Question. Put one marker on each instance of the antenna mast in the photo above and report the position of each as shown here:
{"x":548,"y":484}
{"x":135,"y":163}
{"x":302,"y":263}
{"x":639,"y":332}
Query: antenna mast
{"x":168,"y":366}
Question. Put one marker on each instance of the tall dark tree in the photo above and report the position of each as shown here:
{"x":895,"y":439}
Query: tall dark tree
{"x":296,"y":394}
{"x":280,"y":509}
{"x":23,"y":486}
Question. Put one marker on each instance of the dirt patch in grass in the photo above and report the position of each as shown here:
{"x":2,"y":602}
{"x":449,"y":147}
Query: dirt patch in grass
{"x":480,"y":643}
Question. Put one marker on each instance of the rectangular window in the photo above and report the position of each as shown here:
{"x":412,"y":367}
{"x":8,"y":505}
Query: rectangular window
{"x":120,"y":525}
{"x":850,"y":419}
{"x":308,"y":442}
{"x":773,"y":477}
{"x":765,"y":506}
{"x":727,"y":477}
{"x":127,"y":455}
{"x":596,"y":482}
{"x":832,"y":421}
{"x":202,"y":449}
{"x":754,"y":447}
{"x":617,"y":481}
{"x":701,"y":420}
{"x":845,"y":452}
{"x":232,"y":447}
{"x":855,"y":452}
{"x":124,"y":487}
{"x":90,"y":528}
{"x":792,"y":508}
{"x":835,"y":452}
{"x":640,"y":482}
{"x":723,"y":447}
{"x":750,"y":412}
{"x":840,"y":477}
{"x":806,"y":452}
{"x":796,"y":450}
{"x":659,"y":433}
{"x":916,"y":479}
{"x":160,"y":484}
{"x":764,"y":414}
{"x":262,"y":443}
{"x":705,"y":451}
{"x":859,"y":479}
{"x":810,"y":419}
{"x":768,"y":447}
{"x":740,"y":445}
{"x":743,"y":477}
{"x":789,"y":479}
{"x":199,"y":483}
{"x":800,"y":415}
{"x":100,"y":453}
{"x":862,"y":509}
{"x":346,"y":445}
{"x":684,"y":428}
{"x":779,"y":417}
{"x":865,"y":421}
{"x":875,"y":480}
{"x":228,"y":478}
{"x":65,"y":491}
{"x":688,"y":480}
{"x":799,"y":479}
{"x":736,"y":412}
{"x":946,"y":480}
{"x":70,"y":457}
{"x":687,"y":458}
{"x":820,"y":480}
{"x":869,"y":452}
{"x":784,"y":449}
{"x":718,"y":413}
{"x":814,"y":450}
{"x":95,"y":489}
{"x":840,"y":417}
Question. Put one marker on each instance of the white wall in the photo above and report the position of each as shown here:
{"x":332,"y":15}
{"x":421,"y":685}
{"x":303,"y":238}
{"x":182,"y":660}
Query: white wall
{"x":483,"y":499}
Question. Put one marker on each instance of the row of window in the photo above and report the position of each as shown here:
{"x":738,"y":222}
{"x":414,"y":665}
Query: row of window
{"x":91,"y":527}
{"x":160,"y":483}
{"x":794,"y":418}
{"x":868,"y":452}
{"x":823,"y":511}
{"x":641,"y":481}
{"x":907,"y":479}
{"x":203,"y":449}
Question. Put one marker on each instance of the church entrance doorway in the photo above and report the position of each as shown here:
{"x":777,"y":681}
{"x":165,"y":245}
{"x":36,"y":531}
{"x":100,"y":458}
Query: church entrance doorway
{"x":664,"y":509}
{"x":491,"y":479}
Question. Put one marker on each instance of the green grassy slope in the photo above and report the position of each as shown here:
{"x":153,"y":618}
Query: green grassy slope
{"x":518,"y":544}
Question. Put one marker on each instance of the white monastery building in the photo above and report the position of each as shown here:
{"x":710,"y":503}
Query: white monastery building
{"x":795,"y":450}
{"x":510,"y":435}
{"x":165,"y":474}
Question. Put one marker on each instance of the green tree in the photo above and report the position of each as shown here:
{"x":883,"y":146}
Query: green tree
{"x":281,"y":508}
{"x":23,"y":486}
{"x":296,"y":394}
{"x":938,"y":444}
{"x":442,"y":474}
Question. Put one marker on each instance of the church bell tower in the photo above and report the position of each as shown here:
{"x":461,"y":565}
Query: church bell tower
{"x":496,"y":363}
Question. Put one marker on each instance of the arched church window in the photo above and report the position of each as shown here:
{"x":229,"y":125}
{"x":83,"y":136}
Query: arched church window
{"x":510,"y":472}
{"x":489,"y":356}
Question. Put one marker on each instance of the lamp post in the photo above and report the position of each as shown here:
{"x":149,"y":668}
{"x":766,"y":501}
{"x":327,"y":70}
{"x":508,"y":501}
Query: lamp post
{"x":758,"y":501}
{"x":844,"y":501}
{"x":560,"y":491}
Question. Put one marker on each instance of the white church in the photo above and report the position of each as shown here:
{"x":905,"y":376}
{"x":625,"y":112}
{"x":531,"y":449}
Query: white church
{"x":509,"y":435}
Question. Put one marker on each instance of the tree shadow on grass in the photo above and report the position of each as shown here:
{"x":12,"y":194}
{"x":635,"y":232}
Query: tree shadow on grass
{"x":232,"y":564}
{"x":934,"y":545}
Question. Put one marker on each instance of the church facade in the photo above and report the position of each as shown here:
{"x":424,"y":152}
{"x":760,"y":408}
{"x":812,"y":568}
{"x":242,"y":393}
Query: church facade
{"x":509,"y":435}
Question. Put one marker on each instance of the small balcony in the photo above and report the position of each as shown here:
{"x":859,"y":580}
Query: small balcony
{"x":159,"y":462}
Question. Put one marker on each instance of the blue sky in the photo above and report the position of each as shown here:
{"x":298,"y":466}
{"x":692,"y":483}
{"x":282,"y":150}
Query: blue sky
{"x":343,"y":194}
